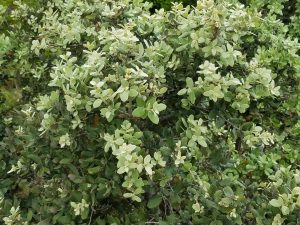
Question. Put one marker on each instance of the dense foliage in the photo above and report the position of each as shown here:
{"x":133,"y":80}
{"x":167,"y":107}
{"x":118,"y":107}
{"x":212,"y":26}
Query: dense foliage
{"x":166,"y":4}
{"x":112,"y":114}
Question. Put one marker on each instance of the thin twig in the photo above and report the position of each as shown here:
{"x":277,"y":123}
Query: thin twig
{"x":90,"y":221}
{"x":92,"y":212}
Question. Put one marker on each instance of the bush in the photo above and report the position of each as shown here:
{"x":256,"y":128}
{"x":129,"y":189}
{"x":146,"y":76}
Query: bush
{"x":187,"y":116}
{"x":167,"y":4}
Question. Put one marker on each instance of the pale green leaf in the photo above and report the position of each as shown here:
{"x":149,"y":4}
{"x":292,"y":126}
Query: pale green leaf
{"x":189,"y":82}
{"x":278,"y":220}
{"x":275,"y":203}
{"x":133,"y":93}
{"x":160,"y":107}
{"x":97,"y":103}
{"x":139,"y":112}
{"x":124,"y":96}
{"x":153,"y":117}
{"x":182,"y":91}
{"x":285,"y":210}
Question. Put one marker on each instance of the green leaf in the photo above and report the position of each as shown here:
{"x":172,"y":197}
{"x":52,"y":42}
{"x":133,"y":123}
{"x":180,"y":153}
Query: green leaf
{"x":64,"y":219}
{"x":133,"y":93}
{"x":151,"y":101}
{"x":285,"y":210}
{"x":182,"y":91}
{"x":139,"y":112}
{"x":296,"y":191}
{"x":65,"y":161}
{"x":192,"y":97}
{"x":124,"y":96}
{"x":154,"y":202}
{"x":189,"y":82}
{"x":100,"y":221}
{"x":35,"y":158}
{"x":94,"y":170}
{"x":275,"y":203}
{"x":182,"y":48}
{"x":201,"y":141}
{"x":228,"y":191}
{"x":160,"y":107}
{"x":277,"y":220}
{"x":163,"y":90}
{"x":127,"y":195}
{"x":97,"y":103}
{"x":140,"y":102}
{"x":153,"y":117}
{"x":29,"y":215}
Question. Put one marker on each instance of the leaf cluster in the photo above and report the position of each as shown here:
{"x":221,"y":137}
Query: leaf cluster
{"x":114,"y":114}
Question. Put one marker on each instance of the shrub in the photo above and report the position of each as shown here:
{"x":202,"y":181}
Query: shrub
{"x":166,"y":4}
{"x":187,"y":116}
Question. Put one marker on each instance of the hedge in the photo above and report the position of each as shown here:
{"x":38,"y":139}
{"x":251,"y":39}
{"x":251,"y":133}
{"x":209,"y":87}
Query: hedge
{"x":125,"y":115}
{"x":167,"y":4}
